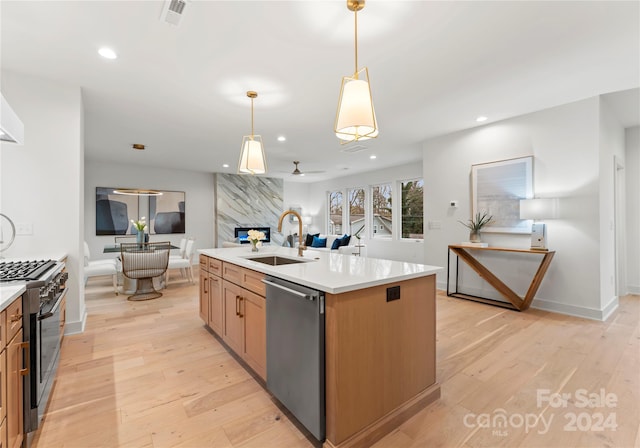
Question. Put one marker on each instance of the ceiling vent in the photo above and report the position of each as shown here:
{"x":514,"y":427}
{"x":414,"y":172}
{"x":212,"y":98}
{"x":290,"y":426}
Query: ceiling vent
{"x":172,"y":11}
{"x":351,"y":149}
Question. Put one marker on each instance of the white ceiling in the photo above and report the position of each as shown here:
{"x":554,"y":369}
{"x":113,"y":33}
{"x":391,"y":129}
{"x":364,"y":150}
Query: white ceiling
{"x":434,"y":67}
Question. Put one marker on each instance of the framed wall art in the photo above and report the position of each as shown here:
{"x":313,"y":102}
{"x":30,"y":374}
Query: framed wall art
{"x":497,"y":187}
{"x":114,"y":212}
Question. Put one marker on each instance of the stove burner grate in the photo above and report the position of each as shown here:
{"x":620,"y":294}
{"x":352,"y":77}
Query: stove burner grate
{"x":24,"y":270}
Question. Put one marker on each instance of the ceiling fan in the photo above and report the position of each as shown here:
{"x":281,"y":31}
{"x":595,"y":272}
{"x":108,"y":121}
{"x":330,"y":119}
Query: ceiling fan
{"x":297,"y":172}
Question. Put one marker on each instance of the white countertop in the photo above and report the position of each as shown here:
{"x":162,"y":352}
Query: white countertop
{"x":326,"y":271}
{"x":9,"y":293}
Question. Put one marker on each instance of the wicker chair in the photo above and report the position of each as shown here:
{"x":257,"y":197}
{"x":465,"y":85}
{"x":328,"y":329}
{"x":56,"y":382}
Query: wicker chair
{"x":142,"y":262}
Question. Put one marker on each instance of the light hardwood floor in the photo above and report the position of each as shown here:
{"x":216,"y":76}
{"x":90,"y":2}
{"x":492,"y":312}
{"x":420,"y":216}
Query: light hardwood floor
{"x":148,"y":374}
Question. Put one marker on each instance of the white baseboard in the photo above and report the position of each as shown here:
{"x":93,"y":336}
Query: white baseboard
{"x":75,"y":327}
{"x":577,"y":311}
{"x":555,"y":307}
{"x":633,"y":289}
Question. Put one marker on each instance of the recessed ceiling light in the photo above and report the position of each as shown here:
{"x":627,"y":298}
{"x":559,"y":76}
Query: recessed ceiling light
{"x":107,"y":53}
{"x":225,"y":165}
{"x":282,"y":138}
{"x":481,"y":118}
{"x":373,"y":157}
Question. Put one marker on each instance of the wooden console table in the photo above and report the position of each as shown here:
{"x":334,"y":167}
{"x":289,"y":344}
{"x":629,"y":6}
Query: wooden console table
{"x":514,"y":300}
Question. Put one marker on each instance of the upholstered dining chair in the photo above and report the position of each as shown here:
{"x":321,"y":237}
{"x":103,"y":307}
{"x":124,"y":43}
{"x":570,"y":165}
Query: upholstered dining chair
{"x":96,"y":268}
{"x":183,"y":263}
{"x":143,"y":262}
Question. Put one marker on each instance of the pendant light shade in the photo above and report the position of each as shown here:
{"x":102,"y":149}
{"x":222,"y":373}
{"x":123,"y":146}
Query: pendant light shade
{"x":356,"y":116}
{"x":252,"y":158}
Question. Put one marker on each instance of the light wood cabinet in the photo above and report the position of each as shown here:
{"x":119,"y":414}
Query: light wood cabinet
{"x":13,"y":367}
{"x":216,"y":302}
{"x":234,"y":298}
{"x":203,"y":309}
{"x":254,"y":343}
{"x":233,"y":330}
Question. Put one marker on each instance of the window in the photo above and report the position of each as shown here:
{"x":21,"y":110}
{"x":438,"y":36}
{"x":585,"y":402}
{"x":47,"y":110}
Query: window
{"x":412,"y":209}
{"x":382,"y":215}
{"x":356,"y":211}
{"x":335,"y":213}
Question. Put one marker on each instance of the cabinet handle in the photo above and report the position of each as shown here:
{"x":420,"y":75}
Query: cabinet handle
{"x":25,"y":346}
{"x":237,"y":303}
{"x":206,"y":282}
{"x":240,"y":313}
{"x":16,"y":317}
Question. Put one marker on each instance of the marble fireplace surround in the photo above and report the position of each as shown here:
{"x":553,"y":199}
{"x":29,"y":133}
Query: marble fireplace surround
{"x":247,"y":201}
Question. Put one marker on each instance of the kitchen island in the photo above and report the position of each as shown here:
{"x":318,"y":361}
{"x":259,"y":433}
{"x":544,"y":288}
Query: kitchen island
{"x":379,"y":330}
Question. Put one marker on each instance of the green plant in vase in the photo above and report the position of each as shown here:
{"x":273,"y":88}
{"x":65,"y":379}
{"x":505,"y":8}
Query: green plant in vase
{"x":475,"y":225}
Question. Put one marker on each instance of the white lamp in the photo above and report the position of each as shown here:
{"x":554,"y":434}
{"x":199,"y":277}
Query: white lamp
{"x":356,"y":117}
{"x":252,"y":158}
{"x":537,"y":209}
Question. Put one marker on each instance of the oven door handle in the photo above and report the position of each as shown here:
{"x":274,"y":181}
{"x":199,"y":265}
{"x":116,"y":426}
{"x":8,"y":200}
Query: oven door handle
{"x":45,"y":315}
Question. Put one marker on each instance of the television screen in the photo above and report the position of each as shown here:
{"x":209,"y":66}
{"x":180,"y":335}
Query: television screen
{"x":242,"y":234}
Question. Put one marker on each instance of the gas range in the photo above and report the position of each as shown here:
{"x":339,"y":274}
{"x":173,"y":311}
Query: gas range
{"x":45,"y":291}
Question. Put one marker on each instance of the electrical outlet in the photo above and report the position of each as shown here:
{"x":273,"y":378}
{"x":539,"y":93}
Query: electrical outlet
{"x":24,"y":228}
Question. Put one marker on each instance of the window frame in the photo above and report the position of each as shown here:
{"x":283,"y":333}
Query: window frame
{"x":400,"y":184}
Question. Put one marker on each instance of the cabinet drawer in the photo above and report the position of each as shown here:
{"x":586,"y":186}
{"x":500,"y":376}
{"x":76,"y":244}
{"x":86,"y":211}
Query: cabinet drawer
{"x":252,"y":281}
{"x":232,"y":273}
{"x":204,"y":263}
{"x":14,"y":319}
{"x":215,"y":266}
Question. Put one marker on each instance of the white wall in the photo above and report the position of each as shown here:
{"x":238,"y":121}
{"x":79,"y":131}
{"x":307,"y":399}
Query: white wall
{"x":632,"y":176}
{"x":199,"y":200}
{"x":392,"y":249}
{"x":565,"y":144}
{"x":41,"y":181}
{"x":612,"y":149}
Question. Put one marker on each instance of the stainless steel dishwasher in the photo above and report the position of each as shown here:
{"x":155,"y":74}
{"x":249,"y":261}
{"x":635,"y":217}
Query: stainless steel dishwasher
{"x":295,"y":351}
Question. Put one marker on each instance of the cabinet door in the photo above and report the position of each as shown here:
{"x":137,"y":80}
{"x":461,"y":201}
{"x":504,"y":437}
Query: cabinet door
{"x":63,"y":316}
{"x":204,"y":297}
{"x":233,"y":328}
{"x":3,"y":390}
{"x":255,"y":335}
{"x":215,"y":304}
{"x":15,"y":363}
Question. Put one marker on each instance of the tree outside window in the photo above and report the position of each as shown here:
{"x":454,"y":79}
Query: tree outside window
{"x":412,"y":209}
{"x":382,"y":211}
{"x":335,"y":213}
{"x":356,"y":211}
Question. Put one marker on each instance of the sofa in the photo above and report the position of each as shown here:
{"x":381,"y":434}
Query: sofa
{"x":349,"y":249}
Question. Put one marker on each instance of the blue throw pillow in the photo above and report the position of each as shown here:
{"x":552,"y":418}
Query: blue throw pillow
{"x":319,"y":242}
{"x":336,"y":243}
{"x":309,"y":239}
{"x":344,"y":241}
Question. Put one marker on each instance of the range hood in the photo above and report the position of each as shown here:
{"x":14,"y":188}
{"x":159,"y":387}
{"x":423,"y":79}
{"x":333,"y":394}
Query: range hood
{"x":11,"y":128}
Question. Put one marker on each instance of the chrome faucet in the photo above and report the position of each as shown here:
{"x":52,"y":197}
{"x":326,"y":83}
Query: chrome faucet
{"x":301,"y":245}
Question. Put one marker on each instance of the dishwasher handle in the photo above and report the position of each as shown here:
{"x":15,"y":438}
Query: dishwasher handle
{"x":289,"y":290}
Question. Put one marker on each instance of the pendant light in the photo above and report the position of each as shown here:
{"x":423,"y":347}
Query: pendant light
{"x":356,"y":117}
{"x":252,"y":159}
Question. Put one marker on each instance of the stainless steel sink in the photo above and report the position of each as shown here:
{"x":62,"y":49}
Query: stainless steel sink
{"x":275,"y":260}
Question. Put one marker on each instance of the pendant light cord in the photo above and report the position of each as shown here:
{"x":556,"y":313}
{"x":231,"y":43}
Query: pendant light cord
{"x":251,"y":118}
{"x":355,"y":14}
